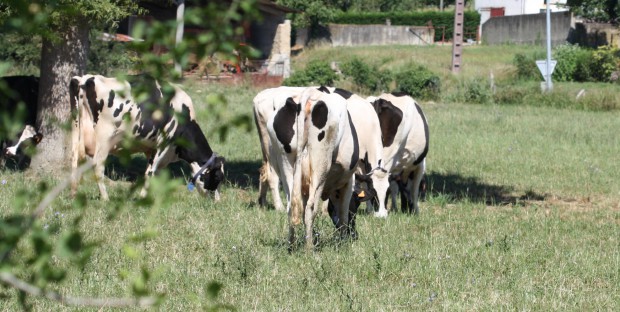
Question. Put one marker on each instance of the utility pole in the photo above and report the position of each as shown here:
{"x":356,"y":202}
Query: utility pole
{"x":179,"y":34}
{"x":457,"y":38}
{"x":549,"y":70}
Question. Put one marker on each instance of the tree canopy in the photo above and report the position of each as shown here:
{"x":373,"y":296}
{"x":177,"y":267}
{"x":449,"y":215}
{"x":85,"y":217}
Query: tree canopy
{"x":596,"y":10}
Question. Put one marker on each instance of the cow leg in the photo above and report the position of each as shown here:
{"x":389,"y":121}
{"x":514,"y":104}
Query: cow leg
{"x":161,"y":159}
{"x":342,"y":199}
{"x":313,"y":207}
{"x":274,"y":186}
{"x":262,"y":184}
{"x":393,"y":190}
{"x":418,"y":175}
{"x":101,"y":154}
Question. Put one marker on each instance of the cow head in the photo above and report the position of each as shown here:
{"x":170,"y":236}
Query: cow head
{"x":29,"y":138}
{"x":211,"y":174}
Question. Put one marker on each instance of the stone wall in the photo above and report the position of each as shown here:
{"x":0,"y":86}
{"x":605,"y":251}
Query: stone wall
{"x":527,"y":29}
{"x":360,"y":35}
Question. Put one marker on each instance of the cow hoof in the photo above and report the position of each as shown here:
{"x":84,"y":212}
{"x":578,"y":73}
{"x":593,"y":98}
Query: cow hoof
{"x":381,"y":214}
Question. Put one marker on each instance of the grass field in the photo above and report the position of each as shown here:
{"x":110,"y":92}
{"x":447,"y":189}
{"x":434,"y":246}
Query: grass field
{"x":523,"y":213}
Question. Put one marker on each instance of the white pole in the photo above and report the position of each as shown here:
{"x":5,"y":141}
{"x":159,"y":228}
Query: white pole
{"x":179,"y":35}
{"x":549,"y":83}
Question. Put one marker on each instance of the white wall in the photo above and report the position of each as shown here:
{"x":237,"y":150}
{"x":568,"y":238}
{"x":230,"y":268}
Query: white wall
{"x":516,"y":7}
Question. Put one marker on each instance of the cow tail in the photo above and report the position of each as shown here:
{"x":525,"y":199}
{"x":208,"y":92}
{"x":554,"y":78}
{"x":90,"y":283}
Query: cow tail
{"x":76,"y":140}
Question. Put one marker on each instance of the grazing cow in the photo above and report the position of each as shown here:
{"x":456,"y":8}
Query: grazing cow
{"x":277,"y":165}
{"x":370,"y":170}
{"x":163,"y":126}
{"x":327,"y":158}
{"x":405,"y":143}
{"x":18,"y":105}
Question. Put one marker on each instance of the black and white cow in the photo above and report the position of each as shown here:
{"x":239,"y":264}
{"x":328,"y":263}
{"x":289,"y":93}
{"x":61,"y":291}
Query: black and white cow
{"x":327,"y":159}
{"x":164,"y":128}
{"x":370,"y":170}
{"x":277,"y":163}
{"x":18,"y":106}
{"x":405,"y":143}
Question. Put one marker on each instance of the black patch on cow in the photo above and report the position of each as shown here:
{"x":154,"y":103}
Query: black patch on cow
{"x":91,"y":98}
{"x":111,"y":98}
{"x":150,"y":127}
{"x":118,"y":111}
{"x":344,"y":93}
{"x":135,"y":129}
{"x":319,"y":114}
{"x":283,"y":123}
{"x":355,"y":156}
{"x":171,"y":125}
{"x":390,"y":118}
{"x":321,"y":135}
{"x":400,"y":93}
{"x":192,"y":146}
{"x":324,"y":89}
{"x":426,"y":135}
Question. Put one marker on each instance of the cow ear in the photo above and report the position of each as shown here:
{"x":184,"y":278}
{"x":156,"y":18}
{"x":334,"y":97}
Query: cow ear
{"x":38,"y":137}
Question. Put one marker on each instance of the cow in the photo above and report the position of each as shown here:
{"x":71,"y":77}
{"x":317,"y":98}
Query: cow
{"x":328,"y":154}
{"x":405,"y":138}
{"x":275,"y":165}
{"x":370,"y":170}
{"x":162,"y":125}
{"x":18,"y":105}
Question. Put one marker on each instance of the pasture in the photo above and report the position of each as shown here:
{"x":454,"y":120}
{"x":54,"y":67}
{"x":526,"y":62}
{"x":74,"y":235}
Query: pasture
{"x":522,"y":213}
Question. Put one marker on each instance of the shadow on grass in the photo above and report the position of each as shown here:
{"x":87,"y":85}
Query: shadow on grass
{"x":458,"y":187}
{"x":239,"y":173}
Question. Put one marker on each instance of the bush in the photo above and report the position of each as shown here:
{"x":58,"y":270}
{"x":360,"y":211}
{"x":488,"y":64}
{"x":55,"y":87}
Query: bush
{"x":442,"y":21}
{"x":477,"y":91}
{"x":526,"y":66}
{"x":569,"y":58}
{"x":22,"y":52}
{"x":317,"y":72}
{"x":109,"y":57}
{"x":604,"y":63}
{"x":366,"y":77}
{"x":419,"y":82}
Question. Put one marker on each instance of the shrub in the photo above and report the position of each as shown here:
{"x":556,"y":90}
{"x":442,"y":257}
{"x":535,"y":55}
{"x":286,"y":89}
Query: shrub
{"x":316,"y":72}
{"x":419,"y":82}
{"x":604,"y":63}
{"x":23,"y":52}
{"x":366,"y":77}
{"x":526,"y":66}
{"x":568,"y":57}
{"x":109,"y":57}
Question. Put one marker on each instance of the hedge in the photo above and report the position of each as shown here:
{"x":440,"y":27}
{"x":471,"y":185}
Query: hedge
{"x":438,"y":19}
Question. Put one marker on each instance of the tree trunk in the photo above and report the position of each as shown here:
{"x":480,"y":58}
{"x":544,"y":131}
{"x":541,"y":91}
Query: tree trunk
{"x":61,"y":58}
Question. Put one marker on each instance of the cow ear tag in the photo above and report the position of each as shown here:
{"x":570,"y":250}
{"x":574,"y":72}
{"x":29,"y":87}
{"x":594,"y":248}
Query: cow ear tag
{"x":190,"y":186}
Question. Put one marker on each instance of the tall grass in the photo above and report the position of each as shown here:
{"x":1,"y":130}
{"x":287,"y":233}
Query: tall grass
{"x":522,"y":214}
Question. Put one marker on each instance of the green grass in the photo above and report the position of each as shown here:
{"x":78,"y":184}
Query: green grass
{"x":522,"y":214}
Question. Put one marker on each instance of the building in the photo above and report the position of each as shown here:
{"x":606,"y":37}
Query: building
{"x":270,"y":36}
{"x":493,"y":8}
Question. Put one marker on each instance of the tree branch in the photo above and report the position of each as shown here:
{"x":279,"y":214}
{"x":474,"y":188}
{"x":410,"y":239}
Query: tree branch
{"x":12,"y":280}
